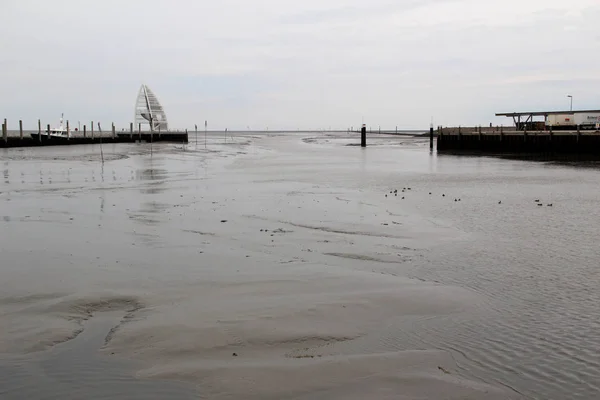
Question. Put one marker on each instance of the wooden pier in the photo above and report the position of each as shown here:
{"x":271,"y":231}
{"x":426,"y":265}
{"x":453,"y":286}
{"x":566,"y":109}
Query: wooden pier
{"x":15,"y":141}
{"x":42,"y":137}
{"x":503,"y":141}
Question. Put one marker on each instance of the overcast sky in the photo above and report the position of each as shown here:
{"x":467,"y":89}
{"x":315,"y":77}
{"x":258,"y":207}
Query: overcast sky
{"x":298,"y":64}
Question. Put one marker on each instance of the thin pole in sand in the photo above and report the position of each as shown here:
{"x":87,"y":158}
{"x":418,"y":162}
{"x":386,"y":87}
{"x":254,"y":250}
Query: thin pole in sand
{"x":48,"y":130}
{"x":101,"y":152}
{"x":92,"y":129}
{"x":40,"y":130}
{"x":196,"y":130}
{"x":4,"y":131}
{"x":21,"y":129}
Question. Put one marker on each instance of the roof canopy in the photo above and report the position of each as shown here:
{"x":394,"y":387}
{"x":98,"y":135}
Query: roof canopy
{"x":544,"y":113}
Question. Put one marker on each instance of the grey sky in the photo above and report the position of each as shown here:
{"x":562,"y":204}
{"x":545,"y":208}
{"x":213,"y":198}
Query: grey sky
{"x":298,"y":64}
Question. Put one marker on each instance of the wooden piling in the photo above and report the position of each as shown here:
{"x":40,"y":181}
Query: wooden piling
{"x":363,"y":136}
{"x":140,"y":130}
{"x":113,"y":130}
{"x":40,"y":130}
{"x":431,"y":137}
{"x":84,"y":130}
{"x":5,"y":131}
{"x":48,"y":130}
{"x":92,"y":129}
{"x":21,"y":129}
{"x":68,"y":131}
{"x":131,"y":130}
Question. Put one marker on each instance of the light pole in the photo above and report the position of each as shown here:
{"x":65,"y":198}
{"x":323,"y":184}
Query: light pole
{"x":571,"y":97}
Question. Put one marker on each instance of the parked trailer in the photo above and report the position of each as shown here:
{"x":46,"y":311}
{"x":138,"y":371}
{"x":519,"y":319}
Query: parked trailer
{"x":587,"y":120}
{"x":560,"y":120}
{"x":572,"y":121}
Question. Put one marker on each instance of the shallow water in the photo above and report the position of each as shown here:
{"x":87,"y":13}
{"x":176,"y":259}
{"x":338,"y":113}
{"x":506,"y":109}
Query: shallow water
{"x":284,"y":250}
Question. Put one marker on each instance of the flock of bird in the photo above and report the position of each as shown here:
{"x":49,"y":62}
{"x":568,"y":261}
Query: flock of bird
{"x":395,"y":193}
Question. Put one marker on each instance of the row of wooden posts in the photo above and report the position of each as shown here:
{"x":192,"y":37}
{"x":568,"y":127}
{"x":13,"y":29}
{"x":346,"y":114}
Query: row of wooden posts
{"x":5,"y":130}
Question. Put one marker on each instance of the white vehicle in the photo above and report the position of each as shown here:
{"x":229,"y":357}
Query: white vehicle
{"x":560,"y":120}
{"x":587,"y":120}
{"x":583,"y":120}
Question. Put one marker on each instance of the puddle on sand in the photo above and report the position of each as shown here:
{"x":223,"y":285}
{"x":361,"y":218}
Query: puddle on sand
{"x":77,"y":370}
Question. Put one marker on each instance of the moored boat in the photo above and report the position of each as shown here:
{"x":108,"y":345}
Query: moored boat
{"x":59,"y":132}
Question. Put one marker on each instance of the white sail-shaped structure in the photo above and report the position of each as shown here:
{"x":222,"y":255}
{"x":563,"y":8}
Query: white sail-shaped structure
{"x":149,"y":111}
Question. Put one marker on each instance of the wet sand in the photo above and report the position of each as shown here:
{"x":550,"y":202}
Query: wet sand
{"x":272,"y":266}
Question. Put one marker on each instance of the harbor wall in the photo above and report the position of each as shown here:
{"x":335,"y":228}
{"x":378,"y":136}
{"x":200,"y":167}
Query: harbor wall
{"x":519,"y":142}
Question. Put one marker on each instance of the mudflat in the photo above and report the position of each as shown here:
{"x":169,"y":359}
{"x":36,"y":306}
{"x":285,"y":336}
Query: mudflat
{"x":267,"y":267}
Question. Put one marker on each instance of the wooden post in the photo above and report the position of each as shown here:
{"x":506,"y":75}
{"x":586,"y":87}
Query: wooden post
{"x":68,"y":130}
{"x":92,"y":129}
{"x":48,"y":131}
{"x":431,"y":137}
{"x":131,"y":130}
{"x":140,"y":130}
{"x":363,"y":136}
{"x":21,"y":129}
{"x":113,"y":130}
{"x":39,"y":130}
{"x":4,"y":131}
{"x":84,"y":131}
